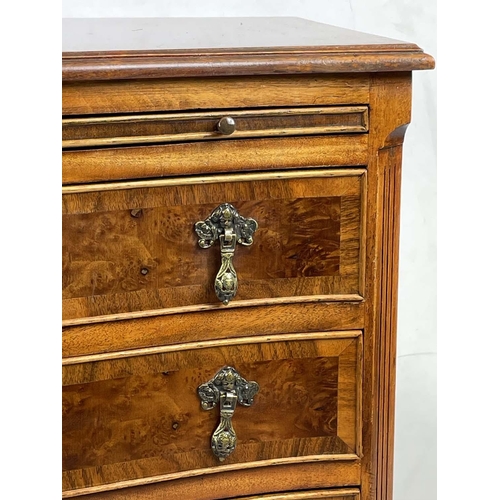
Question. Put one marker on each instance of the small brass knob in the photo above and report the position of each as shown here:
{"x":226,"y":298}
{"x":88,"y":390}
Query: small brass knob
{"x":226,"y":125}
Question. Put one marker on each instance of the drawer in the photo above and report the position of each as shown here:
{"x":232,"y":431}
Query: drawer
{"x":340,"y":494}
{"x":133,"y":247}
{"x":164,"y":491}
{"x":154,"y":95}
{"x":92,"y":165}
{"x":226,"y":124}
{"x":135,"y":418}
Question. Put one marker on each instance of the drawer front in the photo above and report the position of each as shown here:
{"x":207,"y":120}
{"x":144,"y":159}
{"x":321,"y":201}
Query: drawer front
{"x":139,"y":416}
{"x":285,"y":480}
{"x":247,"y":92}
{"x":227,"y":124}
{"x":133,"y":247}
{"x":340,"y":494}
{"x":90,"y":165}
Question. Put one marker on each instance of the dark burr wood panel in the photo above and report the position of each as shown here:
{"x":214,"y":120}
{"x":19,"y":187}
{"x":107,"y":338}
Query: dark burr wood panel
{"x":140,"y":416}
{"x":135,"y":249}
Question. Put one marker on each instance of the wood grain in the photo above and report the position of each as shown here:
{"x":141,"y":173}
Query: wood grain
{"x":97,"y":49}
{"x":112,"y":334}
{"x":217,"y":484}
{"x":171,"y":127}
{"x":215,"y":157}
{"x":315,"y":318}
{"x":211,"y":307}
{"x":391,"y":159}
{"x":307,"y":244}
{"x":78,"y":69}
{"x":177,"y":94}
{"x":135,"y":37}
{"x":150,"y":420}
{"x":390,"y":114}
{"x":212,"y":179}
{"x":343,"y":494}
{"x":118,"y":363}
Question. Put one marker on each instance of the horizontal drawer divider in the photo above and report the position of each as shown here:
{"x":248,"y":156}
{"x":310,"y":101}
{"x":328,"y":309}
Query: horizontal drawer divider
{"x":210,"y":307}
{"x":114,"y":164}
{"x":212,"y":179}
{"x":211,"y":343}
{"x":212,"y":470}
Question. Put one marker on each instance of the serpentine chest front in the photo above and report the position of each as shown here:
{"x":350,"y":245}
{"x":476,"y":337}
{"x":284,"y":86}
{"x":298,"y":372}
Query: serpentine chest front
{"x":230,"y":249}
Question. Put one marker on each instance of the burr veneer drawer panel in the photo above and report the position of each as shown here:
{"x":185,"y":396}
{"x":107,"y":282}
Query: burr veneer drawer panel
{"x":134,"y":417}
{"x":133,"y":247}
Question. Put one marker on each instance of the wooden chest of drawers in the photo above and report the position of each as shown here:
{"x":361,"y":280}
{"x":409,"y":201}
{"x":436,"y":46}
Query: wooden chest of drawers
{"x":230,"y":247}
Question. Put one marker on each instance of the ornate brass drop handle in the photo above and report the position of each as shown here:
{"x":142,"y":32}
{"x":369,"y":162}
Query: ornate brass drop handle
{"x":227,"y":388}
{"x":226,"y":224}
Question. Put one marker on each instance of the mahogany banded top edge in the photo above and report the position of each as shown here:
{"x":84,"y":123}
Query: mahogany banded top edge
{"x":126,"y":48}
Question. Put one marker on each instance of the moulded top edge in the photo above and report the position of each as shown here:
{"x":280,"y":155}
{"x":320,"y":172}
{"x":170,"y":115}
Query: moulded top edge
{"x":111,"y":48}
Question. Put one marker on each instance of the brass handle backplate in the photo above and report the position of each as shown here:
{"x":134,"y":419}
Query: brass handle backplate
{"x":227,"y":225}
{"x":227,"y":388}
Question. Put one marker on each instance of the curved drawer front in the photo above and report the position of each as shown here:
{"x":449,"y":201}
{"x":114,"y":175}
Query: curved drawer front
{"x":133,"y":416}
{"x":340,"y":494}
{"x":165,"y":490}
{"x":132,"y":246}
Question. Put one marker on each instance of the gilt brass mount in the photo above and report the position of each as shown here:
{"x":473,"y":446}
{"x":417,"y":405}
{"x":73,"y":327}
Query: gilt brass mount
{"x":226,"y":224}
{"x":227,"y":388}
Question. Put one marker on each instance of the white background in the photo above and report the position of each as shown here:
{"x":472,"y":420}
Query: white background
{"x":468,"y":252}
{"x":412,"y":21}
